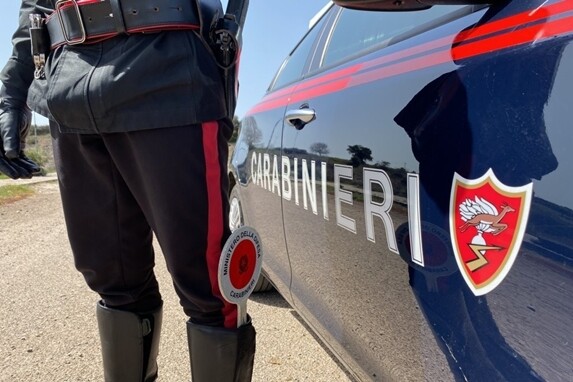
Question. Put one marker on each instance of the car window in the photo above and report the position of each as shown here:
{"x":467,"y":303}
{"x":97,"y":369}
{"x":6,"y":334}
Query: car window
{"x":356,"y":31}
{"x":293,"y":67}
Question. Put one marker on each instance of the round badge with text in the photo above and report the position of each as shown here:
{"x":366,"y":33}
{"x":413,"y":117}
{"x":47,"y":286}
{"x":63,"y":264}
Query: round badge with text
{"x":240,"y":264}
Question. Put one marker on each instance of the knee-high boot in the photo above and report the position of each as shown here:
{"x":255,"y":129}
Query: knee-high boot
{"x":221,"y":355}
{"x":130,"y":343}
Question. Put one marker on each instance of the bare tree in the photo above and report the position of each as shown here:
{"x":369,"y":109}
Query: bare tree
{"x":250,"y":131}
{"x":319,"y":148}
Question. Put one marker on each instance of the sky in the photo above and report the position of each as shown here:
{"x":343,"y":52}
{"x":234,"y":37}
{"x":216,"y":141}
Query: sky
{"x":273,"y":27}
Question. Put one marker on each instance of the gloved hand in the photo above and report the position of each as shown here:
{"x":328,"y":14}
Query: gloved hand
{"x":15,"y":120}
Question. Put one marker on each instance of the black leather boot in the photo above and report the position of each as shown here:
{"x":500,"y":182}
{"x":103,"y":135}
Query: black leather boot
{"x":130,"y":343}
{"x":221,"y":355}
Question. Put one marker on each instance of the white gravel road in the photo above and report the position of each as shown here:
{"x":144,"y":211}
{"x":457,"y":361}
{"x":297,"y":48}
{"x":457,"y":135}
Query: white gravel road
{"x":47,"y":314}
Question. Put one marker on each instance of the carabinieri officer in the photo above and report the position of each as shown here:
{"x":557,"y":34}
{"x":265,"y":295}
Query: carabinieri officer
{"x":140,"y":127}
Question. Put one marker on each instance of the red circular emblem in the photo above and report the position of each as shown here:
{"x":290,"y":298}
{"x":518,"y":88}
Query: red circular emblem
{"x":243,"y":262}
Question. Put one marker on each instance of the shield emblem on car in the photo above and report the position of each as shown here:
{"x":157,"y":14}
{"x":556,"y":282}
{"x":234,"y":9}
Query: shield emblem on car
{"x":487,"y":225}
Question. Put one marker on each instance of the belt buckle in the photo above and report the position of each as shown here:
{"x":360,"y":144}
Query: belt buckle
{"x":59,"y":4}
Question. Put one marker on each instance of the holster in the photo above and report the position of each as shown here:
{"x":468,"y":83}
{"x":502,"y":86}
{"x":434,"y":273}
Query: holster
{"x":220,"y":31}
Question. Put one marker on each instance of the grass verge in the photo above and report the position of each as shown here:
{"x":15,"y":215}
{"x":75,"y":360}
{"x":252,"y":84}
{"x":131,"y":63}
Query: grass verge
{"x":9,"y":194}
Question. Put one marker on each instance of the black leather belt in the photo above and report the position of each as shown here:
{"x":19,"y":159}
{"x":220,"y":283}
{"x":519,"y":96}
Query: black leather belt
{"x":75,"y":22}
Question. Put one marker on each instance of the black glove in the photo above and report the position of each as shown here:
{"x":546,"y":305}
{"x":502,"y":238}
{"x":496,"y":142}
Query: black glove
{"x":15,"y":119}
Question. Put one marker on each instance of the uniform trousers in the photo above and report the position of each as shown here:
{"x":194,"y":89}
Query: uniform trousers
{"x":119,"y":189}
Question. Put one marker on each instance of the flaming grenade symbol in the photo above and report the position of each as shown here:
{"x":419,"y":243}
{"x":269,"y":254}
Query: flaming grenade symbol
{"x":482,"y":215}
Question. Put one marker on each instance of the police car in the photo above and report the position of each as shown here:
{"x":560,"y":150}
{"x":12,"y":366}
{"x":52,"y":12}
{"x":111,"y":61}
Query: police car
{"x":411,"y":177}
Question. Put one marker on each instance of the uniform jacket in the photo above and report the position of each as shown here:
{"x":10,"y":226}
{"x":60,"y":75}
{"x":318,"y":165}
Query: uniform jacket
{"x":130,"y":82}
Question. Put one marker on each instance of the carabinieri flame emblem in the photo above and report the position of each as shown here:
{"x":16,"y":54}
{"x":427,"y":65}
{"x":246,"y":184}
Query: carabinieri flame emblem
{"x":487,"y":225}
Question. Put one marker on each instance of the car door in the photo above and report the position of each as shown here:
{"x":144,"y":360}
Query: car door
{"x":357,"y":207}
{"x":350,"y":168}
{"x":257,"y":162}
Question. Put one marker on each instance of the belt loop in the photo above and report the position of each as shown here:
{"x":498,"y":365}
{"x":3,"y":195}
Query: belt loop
{"x":59,"y":9}
{"x":117,"y":15}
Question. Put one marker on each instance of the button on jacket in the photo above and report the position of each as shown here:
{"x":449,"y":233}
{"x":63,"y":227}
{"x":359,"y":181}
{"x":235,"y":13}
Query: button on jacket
{"x":130,"y":82}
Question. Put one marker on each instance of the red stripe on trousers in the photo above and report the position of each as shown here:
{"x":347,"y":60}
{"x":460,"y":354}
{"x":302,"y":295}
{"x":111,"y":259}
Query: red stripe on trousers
{"x":215,"y":217}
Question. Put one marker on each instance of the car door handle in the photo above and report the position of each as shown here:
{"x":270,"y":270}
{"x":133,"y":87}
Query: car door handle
{"x":298,"y":118}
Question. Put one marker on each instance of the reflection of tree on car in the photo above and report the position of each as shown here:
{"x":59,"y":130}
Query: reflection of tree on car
{"x":320,"y":148}
{"x":506,"y":134}
{"x":251,"y":132}
{"x":359,"y":155}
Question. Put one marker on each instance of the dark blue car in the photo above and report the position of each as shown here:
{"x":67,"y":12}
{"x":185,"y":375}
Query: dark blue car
{"x":411,"y":177}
